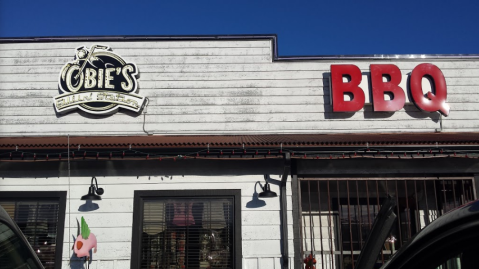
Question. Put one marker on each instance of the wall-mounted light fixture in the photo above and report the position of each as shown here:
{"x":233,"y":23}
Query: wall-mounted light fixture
{"x":93,"y":192}
{"x":267,"y":193}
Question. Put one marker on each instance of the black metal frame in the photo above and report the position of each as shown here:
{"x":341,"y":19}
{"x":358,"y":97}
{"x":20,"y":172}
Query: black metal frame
{"x":44,"y":195}
{"x":138,"y":217}
{"x":379,"y":232}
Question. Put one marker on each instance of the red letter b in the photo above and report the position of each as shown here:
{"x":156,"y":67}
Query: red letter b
{"x":379,"y":88}
{"x":340,"y":88}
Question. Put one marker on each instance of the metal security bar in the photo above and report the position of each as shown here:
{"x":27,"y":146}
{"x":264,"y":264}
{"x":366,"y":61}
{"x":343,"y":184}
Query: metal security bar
{"x":337,"y":214}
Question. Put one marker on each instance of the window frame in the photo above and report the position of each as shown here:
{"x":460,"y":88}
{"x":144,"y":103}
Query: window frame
{"x":140,"y":195}
{"x":61,"y":196}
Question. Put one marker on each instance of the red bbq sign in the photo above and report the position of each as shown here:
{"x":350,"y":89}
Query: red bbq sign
{"x":385,"y":80}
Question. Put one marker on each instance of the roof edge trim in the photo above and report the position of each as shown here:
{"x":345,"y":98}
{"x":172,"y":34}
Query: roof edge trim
{"x":272,"y":37}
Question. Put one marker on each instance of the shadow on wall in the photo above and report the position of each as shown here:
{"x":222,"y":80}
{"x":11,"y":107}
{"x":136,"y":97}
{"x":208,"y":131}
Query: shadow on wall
{"x":415,"y":112}
{"x":75,"y":262}
{"x":328,"y":107}
{"x":79,"y":263}
{"x":255,"y":202}
{"x":88,"y":206}
{"x":91,"y":116}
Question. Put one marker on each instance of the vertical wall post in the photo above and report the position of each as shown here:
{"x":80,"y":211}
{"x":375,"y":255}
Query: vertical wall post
{"x":284,"y":211}
{"x":476,"y":186}
{"x":297,"y":240}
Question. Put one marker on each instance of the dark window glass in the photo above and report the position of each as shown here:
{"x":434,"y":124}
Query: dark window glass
{"x":38,"y":220}
{"x":14,"y":253}
{"x":187,"y":233}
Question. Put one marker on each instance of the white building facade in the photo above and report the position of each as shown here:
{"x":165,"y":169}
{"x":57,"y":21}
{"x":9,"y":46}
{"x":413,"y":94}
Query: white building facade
{"x":179,"y":132}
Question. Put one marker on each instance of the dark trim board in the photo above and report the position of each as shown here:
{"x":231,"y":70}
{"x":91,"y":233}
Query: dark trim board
{"x":135,"y":168}
{"x":375,"y":167}
{"x":301,"y":167}
{"x":61,"y":196}
{"x":138,"y":221}
{"x":272,"y":37}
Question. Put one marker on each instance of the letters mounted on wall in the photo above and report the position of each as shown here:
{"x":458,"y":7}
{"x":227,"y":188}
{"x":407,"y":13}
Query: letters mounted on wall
{"x":386,"y":79}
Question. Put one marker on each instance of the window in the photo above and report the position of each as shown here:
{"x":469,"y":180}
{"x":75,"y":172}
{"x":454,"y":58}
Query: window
{"x":187,"y":229}
{"x":41,"y":217}
{"x":337,"y":214}
{"x":14,"y":253}
{"x":466,"y":259}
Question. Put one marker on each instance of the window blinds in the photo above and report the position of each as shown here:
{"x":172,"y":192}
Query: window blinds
{"x":187,"y":233}
{"x":38,"y":222}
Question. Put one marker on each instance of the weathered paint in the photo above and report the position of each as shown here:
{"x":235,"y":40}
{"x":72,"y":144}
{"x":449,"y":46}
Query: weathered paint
{"x":112,"y":221}
{"x":218,"y":87}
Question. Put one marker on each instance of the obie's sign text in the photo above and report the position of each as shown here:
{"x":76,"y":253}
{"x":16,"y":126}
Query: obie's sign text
{"x":98,"y":81}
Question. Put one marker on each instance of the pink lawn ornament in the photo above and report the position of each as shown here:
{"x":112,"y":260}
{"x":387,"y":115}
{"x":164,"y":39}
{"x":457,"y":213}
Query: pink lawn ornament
{"x":83,"y":246}
{"x":84,"y":242}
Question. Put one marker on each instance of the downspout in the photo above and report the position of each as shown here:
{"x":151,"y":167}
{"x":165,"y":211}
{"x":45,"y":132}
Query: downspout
{"x":284,"y":211}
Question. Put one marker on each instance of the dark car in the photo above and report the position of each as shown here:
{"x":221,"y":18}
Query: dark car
{"x":15,"y":251}
{"x":449,"y":242}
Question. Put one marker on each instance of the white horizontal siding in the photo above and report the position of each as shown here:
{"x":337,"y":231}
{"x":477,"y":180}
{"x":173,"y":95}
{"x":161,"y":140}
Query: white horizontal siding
{"x":472,"y":74}
{"x":141,"y":52}
{"x":217,"y":87}
{"x":98,"y":264}
{"x":448,"y":68}
{"x":142,"y":45}
{"x":459,"y":109}
{"x":422,"y":125}
{"x":49,"y":81}
{"x":186,"y":59}
{"x":112,"y":222}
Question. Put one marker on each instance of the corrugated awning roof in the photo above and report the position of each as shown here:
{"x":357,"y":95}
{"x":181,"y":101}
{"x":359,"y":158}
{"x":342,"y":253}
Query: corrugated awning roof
{"x":258,"y":141}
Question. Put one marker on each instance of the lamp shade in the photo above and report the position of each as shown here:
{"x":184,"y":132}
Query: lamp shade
{"x":91,"y":194}
{"x":267,"y":193}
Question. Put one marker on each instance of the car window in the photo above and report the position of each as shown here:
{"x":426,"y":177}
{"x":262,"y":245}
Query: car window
{"x":14,"y":254}
{"x":452,"y":263}
{"x":466,"y":259}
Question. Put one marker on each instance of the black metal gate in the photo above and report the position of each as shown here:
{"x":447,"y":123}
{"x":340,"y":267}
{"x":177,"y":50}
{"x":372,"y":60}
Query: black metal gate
{"x":337,"y":214}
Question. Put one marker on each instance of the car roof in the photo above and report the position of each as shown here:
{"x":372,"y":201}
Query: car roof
{"x":457,"y":215}
{"x":6,"y":219}
{"x":455,"y":220}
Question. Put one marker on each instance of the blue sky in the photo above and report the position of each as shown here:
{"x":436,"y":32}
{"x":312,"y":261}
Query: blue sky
{"x":303,"y":27}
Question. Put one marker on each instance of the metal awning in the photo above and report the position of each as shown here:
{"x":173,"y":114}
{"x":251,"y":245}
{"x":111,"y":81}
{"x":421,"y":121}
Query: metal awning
{"x":235,"y":141}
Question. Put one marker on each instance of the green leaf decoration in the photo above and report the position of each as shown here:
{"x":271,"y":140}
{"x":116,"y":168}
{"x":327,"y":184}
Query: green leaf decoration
{"x":85,"y":231}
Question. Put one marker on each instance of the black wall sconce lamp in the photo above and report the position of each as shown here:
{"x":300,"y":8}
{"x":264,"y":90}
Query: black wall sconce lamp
{"x":267,"y":193}
{"x":93,"y":192}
